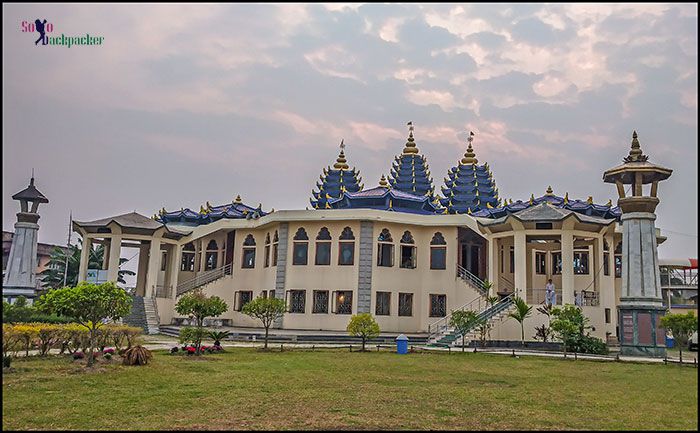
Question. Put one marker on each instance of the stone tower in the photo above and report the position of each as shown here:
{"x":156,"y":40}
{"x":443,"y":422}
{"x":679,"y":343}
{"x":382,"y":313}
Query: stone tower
{"x":20,"y":274}
{"x":641,"y":306}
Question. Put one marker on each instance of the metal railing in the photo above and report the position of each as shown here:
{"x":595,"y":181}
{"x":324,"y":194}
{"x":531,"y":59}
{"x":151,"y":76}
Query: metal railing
{"x":204,"y":278}
{"x":505,"y":285}
{"x":488,"y":312}
{"x":471,"y":279}
{"x":441,"y":325}
{"x":680,"y":297}
{"x":539,"y":296}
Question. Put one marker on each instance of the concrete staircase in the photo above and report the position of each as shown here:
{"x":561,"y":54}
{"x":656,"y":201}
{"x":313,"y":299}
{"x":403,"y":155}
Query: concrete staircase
{"x":144,"y":315}
{"x":203,"y":279}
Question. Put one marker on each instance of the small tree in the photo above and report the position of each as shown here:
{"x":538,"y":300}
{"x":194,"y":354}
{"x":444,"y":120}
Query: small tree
{"x":522,"y":311}
{"x":569,"y":325}
{"x":464,"y":321}
{"x":200,"y":306}
{"x":267,"y":310}
{"x":88,"y":304}
{"x":364,"y":326}
{"x":682,"y":327}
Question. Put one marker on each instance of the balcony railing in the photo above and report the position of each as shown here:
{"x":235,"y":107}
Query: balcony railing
{"x":680,"y":297}
{"x":539,"y":296}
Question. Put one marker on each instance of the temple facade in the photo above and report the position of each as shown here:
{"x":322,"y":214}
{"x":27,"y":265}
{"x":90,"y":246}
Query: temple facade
{"x":397,"y":250}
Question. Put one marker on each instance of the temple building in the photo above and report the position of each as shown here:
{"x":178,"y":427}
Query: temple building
{"x":396,"y":251}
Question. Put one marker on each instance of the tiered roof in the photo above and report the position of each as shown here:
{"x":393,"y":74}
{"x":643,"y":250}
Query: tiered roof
{"x":469,"y":187}
{"x":209,"y":214}
{"x":585,"y":207}
{"x":335,"y":181}
{"x":410,"y":172}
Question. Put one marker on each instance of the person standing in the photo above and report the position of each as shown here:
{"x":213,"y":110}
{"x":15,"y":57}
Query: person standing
{"x":550,"y":296}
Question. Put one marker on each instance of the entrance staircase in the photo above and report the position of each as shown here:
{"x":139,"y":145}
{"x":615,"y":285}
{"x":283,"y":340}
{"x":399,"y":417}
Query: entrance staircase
{"x":472,"y":280}
{"x":204,"y":278}
{"x":442,"y":334}
{"x":144,"y":314}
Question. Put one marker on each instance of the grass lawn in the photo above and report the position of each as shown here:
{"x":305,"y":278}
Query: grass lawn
{"x":248,"y":389}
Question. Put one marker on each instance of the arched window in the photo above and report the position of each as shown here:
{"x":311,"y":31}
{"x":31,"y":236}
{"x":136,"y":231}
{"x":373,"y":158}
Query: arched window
{"x":346,"y":252}
{"x":385,"y":249}
{"x":323,"y":247}
{"x":300,"y":251}
{"x":438,"y":252}
{"x":211,"y":256}
{"x":248,"y":252}
{"x":275,"y":241}
{"x":267,"y":249}
{"x":408,"y":251}
{"x":187,"y":262}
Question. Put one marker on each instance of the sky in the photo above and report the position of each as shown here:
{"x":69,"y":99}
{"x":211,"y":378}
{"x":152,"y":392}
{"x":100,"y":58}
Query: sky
{"x":185,"y":103}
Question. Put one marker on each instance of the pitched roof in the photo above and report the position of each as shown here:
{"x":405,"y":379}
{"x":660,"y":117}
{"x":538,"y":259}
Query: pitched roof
{"x":546,"y":212}
{"x":30,"y":193}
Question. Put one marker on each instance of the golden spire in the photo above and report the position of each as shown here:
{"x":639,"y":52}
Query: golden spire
{"x":391,"y":204}
{"x":609,"y":203}
{"x":590,"y":199}
{"x":411,"y":143}
{"x":488,"y":205}
{"x":341,"y":162}
{"x":510,"y":201}
{"x":566,"y":198}
{"x":316,"y":205}
{"x":238,"y":199}
{"x":636,"y":154}
{"x":469,"y":156}
{"x":532,"y":198}
{"x":469,"y":210}
{"x":383,"y":183}
{"x":549,"y":190}
{"x":328,"y":206}
{"x":201,"y":210}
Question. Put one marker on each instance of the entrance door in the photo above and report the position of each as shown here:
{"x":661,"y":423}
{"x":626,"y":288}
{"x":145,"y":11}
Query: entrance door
{"x":474,"y":260}
{"x":230,"y":238}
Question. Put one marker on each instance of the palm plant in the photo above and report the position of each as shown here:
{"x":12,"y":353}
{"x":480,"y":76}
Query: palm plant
{"x":137,"y":355}
{"x":217,"y":336}
{"x":522,"y":311}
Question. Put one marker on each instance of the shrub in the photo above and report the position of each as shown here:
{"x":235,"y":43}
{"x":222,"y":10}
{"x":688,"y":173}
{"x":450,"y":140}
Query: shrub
{"x":78,"y":355}
{"x":193,"y":335}
{"x":137,"y":355}
{"x":10,"y":340}
{"x":174,"y":350}
{"x":108,"y":356}
{"x":26,"y":334}
{"x":217,"y":336}
{"x":363,"y":326}
{"x":48,"y":336}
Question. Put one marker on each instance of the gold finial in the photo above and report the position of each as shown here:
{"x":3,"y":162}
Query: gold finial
{"x":636,"y":154}
{"x":328,"y":197}
{"x":488,"y":205}
{"x":272,"y":210}
{"x":383,"y":183}
{"x":532,"y":198}
{"x":391,"y":204}
{"x":316,"y":207}
{"x":549,"y":190}
{"x":609,"y":203}
{"x":328,"y":206}
{"x":410,"y":143}
{"x":238,"y":199}
{"x":445,"y":211}
{"x":590,"y":199}
{"x":341,"y":162}
{"x":208,"y":205}
{"x":510,"y":201}
{"x":259,"y":205}
{"x":469,"y":210}
{"x":201,"y":210}
{"x":469,"y":156}
{"x":566,"y":198}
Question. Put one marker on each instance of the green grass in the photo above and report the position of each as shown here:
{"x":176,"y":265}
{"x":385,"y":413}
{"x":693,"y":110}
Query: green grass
{"x":249,"y":389}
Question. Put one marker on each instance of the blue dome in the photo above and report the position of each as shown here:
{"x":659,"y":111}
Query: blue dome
{"x":334,"y":182}
{"x":410,"y":173}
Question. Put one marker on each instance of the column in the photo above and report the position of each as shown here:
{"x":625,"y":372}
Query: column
{"x":607,"y":287}
{"x":153,"y":267}
{"x":174,"y":268}
{"x":106,"y":244}
{"x":598,"y":263}
{"x":114,"y":256}
{"x":567,"y":267}
{"x":493,"y":265}
{"x":84,"y":258}
{"x":142,"y":269}
{"x":520,"y":277}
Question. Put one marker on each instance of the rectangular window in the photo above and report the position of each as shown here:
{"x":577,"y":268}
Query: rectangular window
{"x":243,"y":298}
{"x":187,"y":263}
{"x":405,"y":304}
{"x":408,"y":257}
{"x":346,"y":256}
{"x":211,"y":261}
{"x":556,"y":263}
{"x":271,"y":294}
{"x":343,"y":302}
{"x":300,"y":253}
{"x":274,"y":254}
{"x":502,"y":271}
{"x":438,"y":258}
{"x":385,"y":255}
{"x":267,"y":256}
{"x":383,"y":304}
{"x":618,"y":266}
{"x":297,"y":302}
{"x":163,"y":261}
{"x":438,"y":305}
{"x":320,"y":301}
{"x":606,"y":264}
{"x":512,"y":260}
{"x":263,"y":294}
{"x":581,"y":262}
{"x":323,"y":253}
{"x":248,"y":258}
{"x":541,"y":263}
{"x":607,"y":315}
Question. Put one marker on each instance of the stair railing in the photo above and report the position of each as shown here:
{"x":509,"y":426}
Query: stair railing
{"x":155,"y":308}
{"x":204,"y":278}
{"x":489,"y":313}
{"x":471,"y":279}
{"x":443,"y":324}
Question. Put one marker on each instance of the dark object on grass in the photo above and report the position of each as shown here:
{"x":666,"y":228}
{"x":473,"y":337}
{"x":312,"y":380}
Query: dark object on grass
{"x":6,"y":360}
{"x":137,"y":355}
{"x":174,"y":350}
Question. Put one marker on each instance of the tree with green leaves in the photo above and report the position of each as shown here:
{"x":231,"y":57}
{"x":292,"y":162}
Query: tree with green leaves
{"x":200,"y":306}
{"x":569,"y":325}
{"x":681,"y":327}
{"x":464,"y":321}
{"x":522,"y":311}
{"x":52,"y":276}
{"x":89,"y":305}
{"x":267,"y":310}
{"x":364,"y":326}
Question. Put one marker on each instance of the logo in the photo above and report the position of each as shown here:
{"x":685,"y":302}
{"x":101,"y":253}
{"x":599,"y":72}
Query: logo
{"x":45,"y":30}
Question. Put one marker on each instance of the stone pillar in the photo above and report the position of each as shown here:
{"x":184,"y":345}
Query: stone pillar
{"x":607,"y":290}
{"x":84,"y":258}
{"x":493,"y":265}
{"x":281,"y":273}
{"x":106,"y":247}
{"x":142,"y":269}
{"x":567,"y":267}
{"x":153,"y":267}
{"x":520,"y":276}
{"x":365,"y":262}
{"x":114,"y":256}
{"x":20,"y":278}
{"x":174,"y":268}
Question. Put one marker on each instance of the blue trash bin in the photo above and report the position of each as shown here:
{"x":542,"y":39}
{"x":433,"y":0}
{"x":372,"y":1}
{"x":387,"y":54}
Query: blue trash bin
{"x":669,"y":342}
{"x":402,"y":344}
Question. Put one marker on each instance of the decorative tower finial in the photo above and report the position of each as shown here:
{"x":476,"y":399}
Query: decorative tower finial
{"x":549,"y":190}
{"x":238,"y":199}
{"x":383,"y":183}
{"x":410,"y":143}
{"x":341,"y":163}
{"x":469,"y":156}
{"x":636,"y":154}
